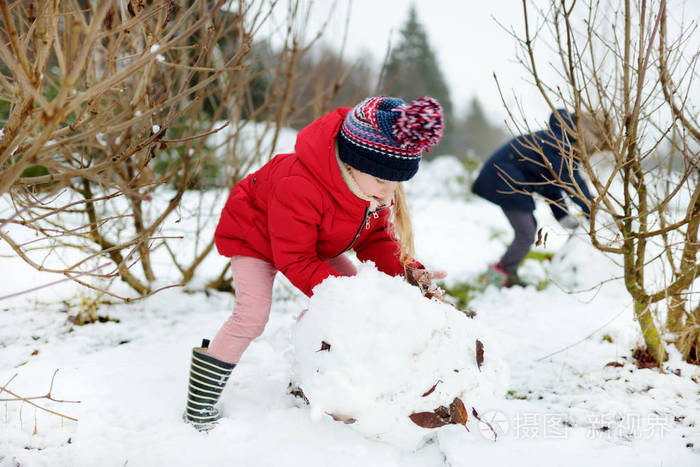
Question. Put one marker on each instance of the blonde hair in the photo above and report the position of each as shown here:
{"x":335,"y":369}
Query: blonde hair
{"x":402,"y":226}
{"x":591,"y":131}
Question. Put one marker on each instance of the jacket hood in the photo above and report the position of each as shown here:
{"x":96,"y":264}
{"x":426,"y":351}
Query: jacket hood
{"x":315,"y":148}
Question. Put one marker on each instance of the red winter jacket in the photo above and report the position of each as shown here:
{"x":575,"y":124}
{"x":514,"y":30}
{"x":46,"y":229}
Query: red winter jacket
{"x":296,"y":212}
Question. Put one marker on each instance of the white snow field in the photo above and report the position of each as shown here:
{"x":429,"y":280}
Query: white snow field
{"x":544,"y":385}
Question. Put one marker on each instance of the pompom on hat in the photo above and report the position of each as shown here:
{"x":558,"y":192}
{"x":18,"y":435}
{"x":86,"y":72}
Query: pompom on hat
{"x":385,"y":136}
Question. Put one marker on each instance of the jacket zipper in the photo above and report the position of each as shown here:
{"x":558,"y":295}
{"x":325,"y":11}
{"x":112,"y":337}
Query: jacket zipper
{"x":375,"y":214}
{"x":357,"y":235}
{"x":364,"y":224}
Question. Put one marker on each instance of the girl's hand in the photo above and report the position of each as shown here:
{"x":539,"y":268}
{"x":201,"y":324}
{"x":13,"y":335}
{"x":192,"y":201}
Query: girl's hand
{"x":424,"y":279}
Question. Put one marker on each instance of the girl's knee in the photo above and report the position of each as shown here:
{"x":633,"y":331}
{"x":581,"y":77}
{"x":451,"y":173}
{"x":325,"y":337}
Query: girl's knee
{"x":254,"y":305}
{"x":256,"y":330}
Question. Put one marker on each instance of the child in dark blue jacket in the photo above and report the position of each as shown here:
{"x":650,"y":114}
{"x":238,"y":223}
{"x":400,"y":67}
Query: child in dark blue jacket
{"x":517,"y":170}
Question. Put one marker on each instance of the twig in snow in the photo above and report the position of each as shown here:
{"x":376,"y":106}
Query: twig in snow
{"x":28,"y":400}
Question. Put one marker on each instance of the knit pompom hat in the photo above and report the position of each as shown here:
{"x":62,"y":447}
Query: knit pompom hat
{"x":385,"y":136}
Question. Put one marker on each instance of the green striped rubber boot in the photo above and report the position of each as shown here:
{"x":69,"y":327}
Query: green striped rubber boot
{"x":494,"y":275}
{"x":208,"y":377}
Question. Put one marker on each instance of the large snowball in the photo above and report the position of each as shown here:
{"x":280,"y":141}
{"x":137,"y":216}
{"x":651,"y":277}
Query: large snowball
{"x":388,"y":346}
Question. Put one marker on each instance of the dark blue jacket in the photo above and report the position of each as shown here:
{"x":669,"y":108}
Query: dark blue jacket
{"x":509,"y":165}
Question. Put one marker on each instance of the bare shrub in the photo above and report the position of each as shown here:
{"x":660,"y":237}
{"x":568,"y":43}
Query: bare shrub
{"x":631,"y":80}
{"x":116,"y":110}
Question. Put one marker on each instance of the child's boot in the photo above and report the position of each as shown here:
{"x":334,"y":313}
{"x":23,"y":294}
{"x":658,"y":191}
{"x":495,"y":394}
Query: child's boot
{"x":495,"y":275}
{"x":514,"y":280}
{"x":208,"y":377}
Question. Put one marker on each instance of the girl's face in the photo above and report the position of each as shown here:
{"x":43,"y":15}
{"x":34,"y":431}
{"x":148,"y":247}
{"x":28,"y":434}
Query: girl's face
{"x":373,"y":187}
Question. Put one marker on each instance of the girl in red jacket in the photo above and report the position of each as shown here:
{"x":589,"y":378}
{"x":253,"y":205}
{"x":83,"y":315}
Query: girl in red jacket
{"x":301,"y":212}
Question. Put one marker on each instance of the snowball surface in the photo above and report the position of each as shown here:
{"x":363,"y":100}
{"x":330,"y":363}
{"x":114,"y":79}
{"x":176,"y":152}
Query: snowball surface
{"x":388,"y":347}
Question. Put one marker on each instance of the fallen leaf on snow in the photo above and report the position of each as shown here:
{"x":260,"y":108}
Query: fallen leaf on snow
{"x":476,"y":415}
{"x":615,"y":364}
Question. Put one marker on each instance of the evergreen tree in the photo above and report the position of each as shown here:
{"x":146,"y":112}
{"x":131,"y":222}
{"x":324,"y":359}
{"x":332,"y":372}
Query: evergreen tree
{"x":413,"y":71}
{"x":478,"y":136}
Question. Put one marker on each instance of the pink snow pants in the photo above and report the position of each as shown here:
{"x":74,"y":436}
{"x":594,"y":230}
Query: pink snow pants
{"x":253,"y":279}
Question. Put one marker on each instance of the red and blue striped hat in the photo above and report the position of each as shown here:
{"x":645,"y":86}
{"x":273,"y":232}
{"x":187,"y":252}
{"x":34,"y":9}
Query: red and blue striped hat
{"x":385,"y":136}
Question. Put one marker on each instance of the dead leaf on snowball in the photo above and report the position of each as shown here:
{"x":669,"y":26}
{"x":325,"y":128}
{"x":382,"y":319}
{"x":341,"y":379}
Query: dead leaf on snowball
{"x":427,"y":420}
{"x":342,"y":418}
{"x":430,"y":391}
{"x":479,"y":353}
{"x":458,"y":413}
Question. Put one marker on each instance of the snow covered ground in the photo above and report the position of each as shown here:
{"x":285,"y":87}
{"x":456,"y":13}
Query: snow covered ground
{"x":562,"y":404}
